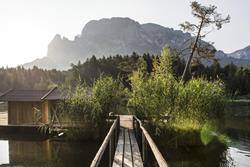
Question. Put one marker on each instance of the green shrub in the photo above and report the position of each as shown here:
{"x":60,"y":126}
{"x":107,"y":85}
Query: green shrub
{"x":198,"y":101}
{"x":89,"y":107}
{"x":109,"y":94}
{"x":166,"y":102}
{"x":153,"y":96}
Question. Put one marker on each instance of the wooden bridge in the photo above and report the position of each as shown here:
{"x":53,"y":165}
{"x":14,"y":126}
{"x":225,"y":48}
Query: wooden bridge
{"x":128,"y":144}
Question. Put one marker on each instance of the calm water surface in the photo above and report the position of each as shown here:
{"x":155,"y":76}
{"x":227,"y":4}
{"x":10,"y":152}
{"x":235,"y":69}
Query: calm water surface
{"x":235,"y":154}
{"x":33,"y":152}
{"x":46,"y":153}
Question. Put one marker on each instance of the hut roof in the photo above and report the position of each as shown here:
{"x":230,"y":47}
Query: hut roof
{"x":31,"y":95}
{"x":54,"y":94}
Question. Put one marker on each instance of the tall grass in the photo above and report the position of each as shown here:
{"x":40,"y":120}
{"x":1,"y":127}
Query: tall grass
{"x":88,"y":107}
{"x":169,"y":103}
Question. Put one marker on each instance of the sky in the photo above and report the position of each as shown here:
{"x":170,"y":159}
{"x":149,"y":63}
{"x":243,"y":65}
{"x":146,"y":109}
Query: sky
{"x":28,"y":26}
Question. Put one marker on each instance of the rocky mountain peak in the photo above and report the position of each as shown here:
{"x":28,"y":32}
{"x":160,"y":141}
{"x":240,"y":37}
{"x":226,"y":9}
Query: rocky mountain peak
{"x":111,"y":36}
{"x":109,"y":26}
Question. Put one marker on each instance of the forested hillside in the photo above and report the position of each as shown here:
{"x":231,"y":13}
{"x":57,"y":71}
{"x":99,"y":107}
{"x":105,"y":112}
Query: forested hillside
{"x":237,"y":79}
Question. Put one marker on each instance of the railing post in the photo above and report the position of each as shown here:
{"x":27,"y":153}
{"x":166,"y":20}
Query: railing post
{"x":134,"y":123}
{"x":111,"y":147}
{"x":115,"y":135}
{"x":144,"y":150}
{"x":117,"y":129}
{"x":108,"y":145}
{"x":138,"y":129}
{"x":139,"y":134}
{"x":115,"y":142}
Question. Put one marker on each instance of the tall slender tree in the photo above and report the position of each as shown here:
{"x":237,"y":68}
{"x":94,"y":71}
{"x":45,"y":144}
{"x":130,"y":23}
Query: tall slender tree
{"x":207,"y":16}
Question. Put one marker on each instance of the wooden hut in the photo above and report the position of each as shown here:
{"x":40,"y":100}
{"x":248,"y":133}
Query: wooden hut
{"x":30,"y":106}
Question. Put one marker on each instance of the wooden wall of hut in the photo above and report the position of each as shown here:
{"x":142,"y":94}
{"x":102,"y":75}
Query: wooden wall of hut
{"x":29,"y":112}
{"x":22,"y":112}
{"x":45,"y":111}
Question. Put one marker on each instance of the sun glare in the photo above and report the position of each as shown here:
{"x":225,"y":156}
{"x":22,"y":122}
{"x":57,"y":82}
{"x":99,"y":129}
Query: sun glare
{"x":22,"y":41}
{"x":23,"y":44}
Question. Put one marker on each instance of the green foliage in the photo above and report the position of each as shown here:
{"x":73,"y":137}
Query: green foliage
{"x":201,"y":99}
{"x":166,"y":102}
{"x":82,"y":107}
{"x":210,"y":131}
{"x":20,"y":78}
{"x":150,"y":92}
{"x":163,"y":67}
{"x":44,"y":129}
{"x":89,"y":107}
{"x":207,"y":16}
{"x":236,"y":79}
{"x":109,"y":94}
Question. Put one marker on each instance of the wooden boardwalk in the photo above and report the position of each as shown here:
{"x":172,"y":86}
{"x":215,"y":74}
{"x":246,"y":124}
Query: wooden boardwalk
{"x":127,"y":152}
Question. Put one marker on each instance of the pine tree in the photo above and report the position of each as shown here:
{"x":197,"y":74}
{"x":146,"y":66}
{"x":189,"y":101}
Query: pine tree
{"x":207,"y":17}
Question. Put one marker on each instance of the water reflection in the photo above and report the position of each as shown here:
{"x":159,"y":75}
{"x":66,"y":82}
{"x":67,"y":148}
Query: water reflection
{"x":215,"y":154}
{"x":4,"y":152}
{"x":46,"y":153}
{"x":239,"y":157}
{"x":239,"y":148}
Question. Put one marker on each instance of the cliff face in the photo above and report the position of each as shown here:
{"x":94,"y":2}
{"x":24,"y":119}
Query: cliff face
{"x":107,"y":37}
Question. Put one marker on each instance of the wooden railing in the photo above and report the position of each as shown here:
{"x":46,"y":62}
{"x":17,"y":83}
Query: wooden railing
{"x":144,"y":140}
{"x":108,"y":145}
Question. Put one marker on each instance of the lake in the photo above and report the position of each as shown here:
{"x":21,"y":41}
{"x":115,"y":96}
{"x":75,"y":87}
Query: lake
{"x":19,"y":150}
{"x":236,"y":153}
{"x":33,"y":152}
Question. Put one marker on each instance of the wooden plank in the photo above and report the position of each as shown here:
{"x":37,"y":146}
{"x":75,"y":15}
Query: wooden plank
{"x":137,"y":160}
{"x":127,"y":157}
{"x":127,"y":151}
{"x":126,"y":121}
{"x":118,"y":158}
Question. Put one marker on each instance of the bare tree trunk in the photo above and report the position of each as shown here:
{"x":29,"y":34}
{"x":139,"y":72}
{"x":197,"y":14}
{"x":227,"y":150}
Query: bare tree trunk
{"x":187,"y":67}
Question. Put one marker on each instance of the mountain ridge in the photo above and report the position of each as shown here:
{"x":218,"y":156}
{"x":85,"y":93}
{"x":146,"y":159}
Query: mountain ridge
{"x":111,"y":36}
{"x":241,"y":53}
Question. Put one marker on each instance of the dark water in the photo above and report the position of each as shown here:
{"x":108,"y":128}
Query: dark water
{"x":46,"y":153}
{"x":235,"y":153}
{"x":32,"y":152}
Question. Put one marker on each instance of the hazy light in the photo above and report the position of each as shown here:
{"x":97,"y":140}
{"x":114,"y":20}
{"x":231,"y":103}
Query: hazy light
{"x":28,"y":26}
